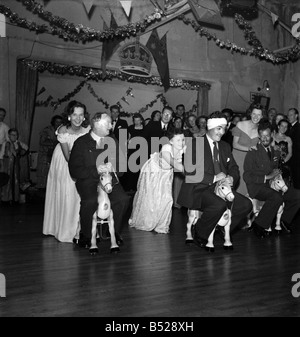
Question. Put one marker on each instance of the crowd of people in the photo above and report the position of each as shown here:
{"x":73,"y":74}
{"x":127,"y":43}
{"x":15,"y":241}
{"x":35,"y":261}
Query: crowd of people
{"x":12,"y":149}
{"x":150,"y":162}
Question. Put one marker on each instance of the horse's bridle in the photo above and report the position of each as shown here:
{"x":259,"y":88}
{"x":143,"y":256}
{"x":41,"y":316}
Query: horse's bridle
{"x":110,"y":183}
{"x":276,"y":184}
{"x":225,"y":195}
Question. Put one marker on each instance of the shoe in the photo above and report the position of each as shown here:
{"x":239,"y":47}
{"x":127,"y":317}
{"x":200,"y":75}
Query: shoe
{"x":119,"y":239}
{"x":228,"y":248}
{"x":258,"y":230}
{"x":285,"y":226}
{"x":93,"y":251}
{"x":83,"y":242}
{"x":200,"y":242}
{"x":210,"y":249}
{"x":268,"y":233}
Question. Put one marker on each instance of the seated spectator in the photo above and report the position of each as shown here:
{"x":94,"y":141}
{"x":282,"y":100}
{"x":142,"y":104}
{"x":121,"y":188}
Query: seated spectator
{"x":201,"y":122}
{"x":117,"y":122}
{"x":178,"y":123}
{"x":13,"y":150}
{"x":235,"y":119}
{"x":180,"y":111}
{"x":193,"y":130}
{"x":48,"y":141}
{"x":156,"y":116}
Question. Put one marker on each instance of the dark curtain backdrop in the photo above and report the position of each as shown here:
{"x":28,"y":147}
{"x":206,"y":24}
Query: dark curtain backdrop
{"x":202,"y":101}
{"x":27,"y":81}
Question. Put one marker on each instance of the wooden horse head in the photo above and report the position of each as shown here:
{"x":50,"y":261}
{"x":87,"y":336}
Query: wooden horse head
{"x":278,"y":184}
{"x":105,"y":182}
{"x":224,"y":191}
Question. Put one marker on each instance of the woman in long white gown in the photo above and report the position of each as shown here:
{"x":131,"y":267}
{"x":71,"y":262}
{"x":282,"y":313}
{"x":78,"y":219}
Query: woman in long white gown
{"x":62,"y":203}
{"x":152,"y":205}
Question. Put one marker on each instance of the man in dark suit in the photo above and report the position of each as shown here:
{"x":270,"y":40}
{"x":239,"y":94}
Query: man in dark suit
{"x":88,"y":157}
{"x":294,"y":133}
{"x":117,"y":122}
{"x":197,"y":191}
{"x":228,"y":136}
{"x":260,"y":166}
{"x":155,"y":131}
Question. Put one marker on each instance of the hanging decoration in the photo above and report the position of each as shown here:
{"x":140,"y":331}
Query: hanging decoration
{"x":291,"y":54}
{"x":127,"y":7}
{"x":274,"y":18}
{"x":109,"y":46}
{"x":69,"y":31}
{"x":135,"y":59}
{"x":158,"y":48}
{"x":129,"y":92}
{"x":56,"y":104}
{"x":68,"y":97}
{"x":78,"y":33}
{"x":96,"y":75}
{"x":44,"y":103}
{"x":88,"y":4}
{"x":99,"y":99}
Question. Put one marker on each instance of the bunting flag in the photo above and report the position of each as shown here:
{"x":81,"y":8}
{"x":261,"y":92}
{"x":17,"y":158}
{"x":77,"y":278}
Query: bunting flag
{"x":207,"y":12}
{"x":2,"y":25}
{"x":126,"y":6}
{"x":158,"y":48}
{"x":109,"y":45}
{"x":88,"y":4}
{"x":274,"y":18}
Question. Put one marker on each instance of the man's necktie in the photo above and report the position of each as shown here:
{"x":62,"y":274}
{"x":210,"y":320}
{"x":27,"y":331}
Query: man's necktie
{"x":269,"y":153}
{"x":164,"y":129}
{"x":100,"y":144}
{"x":217,"y":166}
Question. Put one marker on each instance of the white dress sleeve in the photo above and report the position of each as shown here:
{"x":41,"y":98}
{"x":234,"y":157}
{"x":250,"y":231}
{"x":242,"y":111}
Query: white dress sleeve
{"x":63,"y":137}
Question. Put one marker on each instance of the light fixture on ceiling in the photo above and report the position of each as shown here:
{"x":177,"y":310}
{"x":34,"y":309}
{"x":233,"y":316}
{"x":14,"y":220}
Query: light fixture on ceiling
{"x":265,"y":86}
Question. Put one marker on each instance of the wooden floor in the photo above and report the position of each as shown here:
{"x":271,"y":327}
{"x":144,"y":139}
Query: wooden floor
{"x":155,"y":275}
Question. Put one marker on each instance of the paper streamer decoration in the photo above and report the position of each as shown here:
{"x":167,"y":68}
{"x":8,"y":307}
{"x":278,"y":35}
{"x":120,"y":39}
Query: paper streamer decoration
{"x":126,"y":6}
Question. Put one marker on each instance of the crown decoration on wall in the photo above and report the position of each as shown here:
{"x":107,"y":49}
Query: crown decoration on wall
{"x":135,"y":59}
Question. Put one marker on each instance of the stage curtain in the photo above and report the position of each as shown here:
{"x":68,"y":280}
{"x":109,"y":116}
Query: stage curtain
{"x":26,"y":90}
{"x":202,"y":101}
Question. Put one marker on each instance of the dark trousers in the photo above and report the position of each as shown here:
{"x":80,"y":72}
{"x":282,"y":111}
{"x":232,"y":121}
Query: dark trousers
{"x":295,"y":162}
{"x":213,"y":208}
{"x":273,"y":200}
{"x":88,"y":206}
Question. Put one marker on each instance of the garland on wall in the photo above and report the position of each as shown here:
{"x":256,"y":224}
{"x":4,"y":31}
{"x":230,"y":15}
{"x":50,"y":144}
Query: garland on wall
{"x":69,"y":31}
{"x":291,"y":54}
{"x":66,"y":98}
{"x":95,"y":74}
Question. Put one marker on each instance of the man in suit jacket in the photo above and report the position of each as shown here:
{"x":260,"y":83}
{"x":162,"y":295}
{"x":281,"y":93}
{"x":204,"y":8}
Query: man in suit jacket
{"x":228,"y":136}
{"x":159,"y":130}
{"x":117,"y":122}
{"x":89,"y":153}
{"x":260,"y":166}
{"x":200,"y":194}
{"x":294,"y":133}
